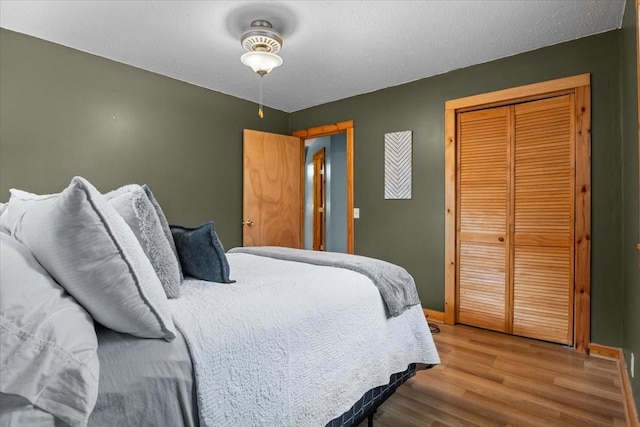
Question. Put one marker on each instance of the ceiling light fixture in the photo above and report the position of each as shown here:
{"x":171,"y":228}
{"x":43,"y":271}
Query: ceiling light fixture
{"x":262,"y":44}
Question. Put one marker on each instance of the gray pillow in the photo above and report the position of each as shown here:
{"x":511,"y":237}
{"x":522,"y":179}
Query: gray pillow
{"x":165,"y":225}
{"x":79,"y":238}
{"x":135,"y":207}
{"x":47,"y":340}
{"x":201,"y":253}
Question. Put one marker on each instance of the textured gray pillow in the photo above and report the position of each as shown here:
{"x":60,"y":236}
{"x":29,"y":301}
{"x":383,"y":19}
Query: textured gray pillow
{"x":135,"y":207}
{"x":48,"y":344}
{"x":165,"y":226}
{"x":79,"y":238}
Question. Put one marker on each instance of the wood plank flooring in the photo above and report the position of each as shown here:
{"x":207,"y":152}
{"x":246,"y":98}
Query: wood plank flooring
{"x":492,"y":379}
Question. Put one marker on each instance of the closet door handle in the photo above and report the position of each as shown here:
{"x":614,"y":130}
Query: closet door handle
{"x":500,"y":239}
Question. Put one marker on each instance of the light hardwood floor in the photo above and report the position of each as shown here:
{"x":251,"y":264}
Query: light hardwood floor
{"x":492,"y":379}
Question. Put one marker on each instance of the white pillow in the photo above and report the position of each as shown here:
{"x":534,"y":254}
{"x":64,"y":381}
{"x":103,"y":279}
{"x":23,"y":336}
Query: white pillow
{"x":4,"y":218}
{"x":135,"y":207}
{"x":91,"y":252}
{"x":48,"y":342}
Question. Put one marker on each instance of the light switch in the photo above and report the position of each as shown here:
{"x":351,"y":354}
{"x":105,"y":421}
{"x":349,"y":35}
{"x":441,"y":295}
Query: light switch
{"x":356,"y":213}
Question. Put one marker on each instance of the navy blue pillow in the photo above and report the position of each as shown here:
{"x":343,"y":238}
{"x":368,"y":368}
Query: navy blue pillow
{"x":201,"y":253}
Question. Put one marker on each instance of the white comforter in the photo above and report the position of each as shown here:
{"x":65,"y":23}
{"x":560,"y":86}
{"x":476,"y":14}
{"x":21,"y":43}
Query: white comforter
{"x":292,"y":344}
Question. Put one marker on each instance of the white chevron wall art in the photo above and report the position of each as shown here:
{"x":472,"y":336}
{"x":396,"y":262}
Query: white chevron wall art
{"x":397,"y":164}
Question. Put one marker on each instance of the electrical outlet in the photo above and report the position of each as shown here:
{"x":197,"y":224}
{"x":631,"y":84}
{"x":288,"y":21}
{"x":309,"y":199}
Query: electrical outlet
{"x":633,"y":367}
{"x":356,"y":213}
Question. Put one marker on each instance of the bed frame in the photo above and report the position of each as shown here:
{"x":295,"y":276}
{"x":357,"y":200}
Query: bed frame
{"x":368,"y":404}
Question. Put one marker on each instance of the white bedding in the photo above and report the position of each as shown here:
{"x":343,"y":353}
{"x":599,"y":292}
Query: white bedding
{"x":292,"y":344}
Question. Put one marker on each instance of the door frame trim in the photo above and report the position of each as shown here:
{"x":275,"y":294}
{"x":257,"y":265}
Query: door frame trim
{"x":328,"y":130}
{"x":580,"y":86}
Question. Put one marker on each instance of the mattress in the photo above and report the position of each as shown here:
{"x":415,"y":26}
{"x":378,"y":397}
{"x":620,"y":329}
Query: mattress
{"x":150,"y":383}
{"x":292,"y":344}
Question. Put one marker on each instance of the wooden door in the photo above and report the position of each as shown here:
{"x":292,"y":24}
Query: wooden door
{"x":545,"y":277}
{"x":516,"y":220}
{"x":319,"y":198}
{"x":272,"y":190}
{"x":482,"y":225}
{"x":544,"y":199}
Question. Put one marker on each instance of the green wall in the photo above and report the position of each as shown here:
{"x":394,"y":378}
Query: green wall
{"x":631,"y":216}
{"x":57,"y":109}
{"x":411,"y":232}
{"x":65,"y":113}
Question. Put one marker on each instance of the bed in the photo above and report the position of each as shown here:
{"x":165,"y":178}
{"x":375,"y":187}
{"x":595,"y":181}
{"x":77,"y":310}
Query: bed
{"x":264,"y":337}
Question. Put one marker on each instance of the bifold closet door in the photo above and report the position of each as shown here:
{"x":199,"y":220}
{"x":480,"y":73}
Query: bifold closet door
{"x":515,"y":225}
{"x":482,"y":224}
{"x":543,"y":249}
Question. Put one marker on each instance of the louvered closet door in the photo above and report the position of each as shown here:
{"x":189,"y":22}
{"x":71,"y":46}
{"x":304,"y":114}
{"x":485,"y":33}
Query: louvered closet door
{"x":543,"y":255}
{"x":483,"y":200}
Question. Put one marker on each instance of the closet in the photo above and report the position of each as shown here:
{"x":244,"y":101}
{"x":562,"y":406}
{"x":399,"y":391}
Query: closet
{"x":515,"y":242}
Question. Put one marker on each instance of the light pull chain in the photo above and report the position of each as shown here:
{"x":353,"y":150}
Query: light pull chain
{"x":261,"y":73}
{"x":260,"y":111}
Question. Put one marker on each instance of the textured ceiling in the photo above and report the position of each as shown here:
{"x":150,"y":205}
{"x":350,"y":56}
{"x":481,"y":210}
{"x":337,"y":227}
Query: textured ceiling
{"x":331,"y":50}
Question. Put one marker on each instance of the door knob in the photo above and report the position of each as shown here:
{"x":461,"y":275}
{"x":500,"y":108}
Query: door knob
{"x":247,"y":222}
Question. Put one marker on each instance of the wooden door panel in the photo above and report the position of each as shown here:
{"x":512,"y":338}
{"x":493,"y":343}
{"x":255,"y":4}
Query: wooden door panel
{"x":541,"y":293}
{"x":319,"y":197}
{"x":482,"y":172}
{"x":482,"y":282}
{"x":483,"y":200}
{"x":543,"y":178}
{"x":544,"y":219}
{"x":272,"y":190}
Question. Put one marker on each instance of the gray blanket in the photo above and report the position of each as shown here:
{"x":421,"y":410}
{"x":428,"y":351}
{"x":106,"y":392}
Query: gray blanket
{"x":396,"y":285}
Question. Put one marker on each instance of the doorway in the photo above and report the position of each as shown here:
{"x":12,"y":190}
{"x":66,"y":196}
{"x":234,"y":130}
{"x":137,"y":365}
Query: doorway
{"x":339,"y":138}
{"x":274,"y":165}
{"x":325,"y":221}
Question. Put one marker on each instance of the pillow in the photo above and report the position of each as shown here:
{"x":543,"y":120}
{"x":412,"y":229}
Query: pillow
{"x":91,"y":252}
{"x":4,"y":218}
{"x":134,"y":206}
{"x":49,"y":345}
{"x":17,"y":411}
{"x":201,"y":253}
{"x":165,"y":225}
